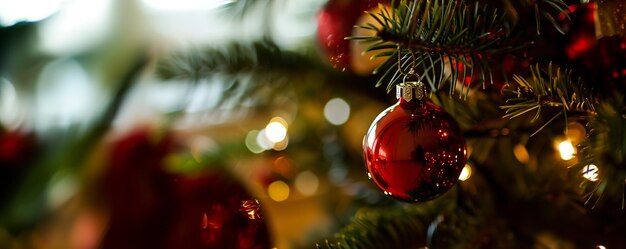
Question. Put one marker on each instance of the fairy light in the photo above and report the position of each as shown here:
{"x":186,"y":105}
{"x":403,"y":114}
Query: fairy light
{"x":337,"y":111}
{"x":601,"y":247}
{"x":591,"y":172}
{"x":276,"y":130}
{"x":466,"y":173}
{"x":567,"y":150}
{"x":278,"y":191}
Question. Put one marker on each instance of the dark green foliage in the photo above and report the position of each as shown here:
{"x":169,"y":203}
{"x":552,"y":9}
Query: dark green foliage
{"x":444,"y":36}
{"x":605,"y":147}
{"x":553,"y":89}
{"x":394,"y":227}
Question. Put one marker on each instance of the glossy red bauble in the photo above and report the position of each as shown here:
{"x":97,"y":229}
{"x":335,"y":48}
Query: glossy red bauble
{"x":414,"y":151}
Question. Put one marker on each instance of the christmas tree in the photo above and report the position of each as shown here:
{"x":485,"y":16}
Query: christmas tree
{"x":313,"y":124}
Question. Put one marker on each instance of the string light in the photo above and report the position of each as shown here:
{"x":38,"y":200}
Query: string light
{"x":591,"y":172}
{"x":567,"y":150}
{"x":466,"y":173}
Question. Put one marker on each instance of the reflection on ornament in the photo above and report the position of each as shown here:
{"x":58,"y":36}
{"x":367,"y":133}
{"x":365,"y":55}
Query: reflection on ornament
{"x":567,"y":150}
{"x":414,"y":150}
{"x":591,"y":172}
{"x":601,"y":247}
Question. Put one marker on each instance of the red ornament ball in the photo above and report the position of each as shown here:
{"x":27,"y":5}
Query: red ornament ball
{"x":414,"y":150}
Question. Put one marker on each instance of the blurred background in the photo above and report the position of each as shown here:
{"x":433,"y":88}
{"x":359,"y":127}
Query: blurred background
{"x":82,"y":79}
{"x":229,"y":124}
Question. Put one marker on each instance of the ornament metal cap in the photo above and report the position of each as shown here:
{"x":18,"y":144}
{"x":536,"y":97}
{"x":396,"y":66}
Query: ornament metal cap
{"x":410,"y":90}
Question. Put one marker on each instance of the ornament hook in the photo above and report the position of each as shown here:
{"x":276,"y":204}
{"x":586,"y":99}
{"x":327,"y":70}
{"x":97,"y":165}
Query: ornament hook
{"x":411,"y":86}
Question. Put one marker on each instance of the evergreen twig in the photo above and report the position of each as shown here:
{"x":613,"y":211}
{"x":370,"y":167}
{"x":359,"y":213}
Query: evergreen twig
{"x":554,"y":89}
{"x":445,"y":36}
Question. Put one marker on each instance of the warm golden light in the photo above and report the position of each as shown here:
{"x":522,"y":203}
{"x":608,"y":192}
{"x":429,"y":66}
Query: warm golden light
{"x":275,"y":131}
{"x":567,"y":150}
{"x":307,"y":183}
{"x":591,"y":172}
{"x":521,"y":153}
{"x":465,"y":173}
{"x":278,"y":191}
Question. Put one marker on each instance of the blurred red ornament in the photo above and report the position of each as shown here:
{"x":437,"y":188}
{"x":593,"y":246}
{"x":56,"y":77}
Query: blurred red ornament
{"x":137,"y":192}
{"x":580,"y":31}
{"x":215,"y":211}
{"x":414,"y":150}
{"x":152,"y":208}
{"x":600,"y":59}
{"x":15,"y":148}
{"x":335,"y":22}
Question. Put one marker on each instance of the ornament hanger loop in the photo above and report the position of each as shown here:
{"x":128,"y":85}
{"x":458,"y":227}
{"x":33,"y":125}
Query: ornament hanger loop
{"x":411,"y":71}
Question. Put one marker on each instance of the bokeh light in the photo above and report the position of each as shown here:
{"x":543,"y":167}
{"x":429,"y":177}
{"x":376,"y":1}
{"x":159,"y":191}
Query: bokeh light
{"x":275,"y":132}
{"x":262,"y":140}
{"x":307,"y":183}
{"x":591,"y":172}
{"x":567,"y":150}
{"x":521,"y":153}
{"x":278,"y":191}
{"x":251,"y":142}
{"x":337,"y":111}
{"x":466,"y":173}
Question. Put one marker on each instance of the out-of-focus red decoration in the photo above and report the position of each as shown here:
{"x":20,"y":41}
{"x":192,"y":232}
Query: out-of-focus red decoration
{"x":335,"y":22}
{"x":601,"y":60}
{"x":216,"y":212}
{"x":414,"y":150}
{"x":138,"y":192}
{"x":580,"y":30}
{"x":15,"y":148}
{"x":152,"y":208}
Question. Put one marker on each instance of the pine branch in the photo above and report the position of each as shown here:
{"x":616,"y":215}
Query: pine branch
{"x":527,"y":11}
{"x":551,"y":90}
{"x":445,"y":35}
{"x":258,"y":57}
{"x":245,"y":71}
{"x":392,"y":227}
{"x":605,"y":147}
